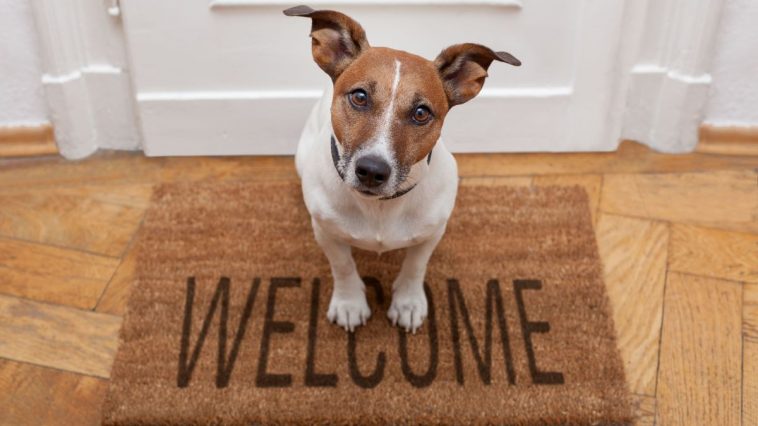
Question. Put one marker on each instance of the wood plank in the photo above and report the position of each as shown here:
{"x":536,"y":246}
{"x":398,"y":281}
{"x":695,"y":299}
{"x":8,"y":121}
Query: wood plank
{"x":116,"y":295}
{"x":725,"y":199}
{"x":32,"y":395}
{"x":99,"y":168}
{"x":226,"y":168}
{"x":630,"y":157}
{"x":728,"y":140}
{"x":496,"y":181}
{"x":98,"y":219}
{"x":644,"y":409}
{"x":591,"y":183}
{"x":727,"y":147}
{"x":699,"y":378}
{"x":750,"y":311}
{"x":25,"y":141}
{"x":633,"y":252}
{"x":132,"y":195}
{"x":126,"y":194}
{"x":109,"y":167}
{"x":714,"y":253}
{"x":52,"y":274}
{"x":750,"y":382}
{"x":57,"y":336}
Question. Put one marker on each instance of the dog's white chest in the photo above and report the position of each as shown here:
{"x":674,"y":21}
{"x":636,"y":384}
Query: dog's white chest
{"x":378,"y":230}
{"x":374,"y":225}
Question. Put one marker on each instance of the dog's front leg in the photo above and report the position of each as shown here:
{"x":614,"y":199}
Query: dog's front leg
{"x":409,"y":306}
{"x":348,"y":306}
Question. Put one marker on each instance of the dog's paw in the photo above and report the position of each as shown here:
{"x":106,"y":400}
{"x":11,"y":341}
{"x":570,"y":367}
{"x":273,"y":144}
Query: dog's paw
{"x":408,"y":308}
{"x":348,"y":311}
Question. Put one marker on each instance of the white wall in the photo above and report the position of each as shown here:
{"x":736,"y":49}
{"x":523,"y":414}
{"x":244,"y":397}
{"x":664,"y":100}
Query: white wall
{"x":22,"y":99}
{"x":734,"y":92}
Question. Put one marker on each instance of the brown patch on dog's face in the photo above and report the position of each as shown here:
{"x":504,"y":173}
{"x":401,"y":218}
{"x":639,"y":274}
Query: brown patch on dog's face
{"x":389,"y":106}
{"x":405,"y":106}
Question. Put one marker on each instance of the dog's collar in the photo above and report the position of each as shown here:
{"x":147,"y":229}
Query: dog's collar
{"x":336,"y":159}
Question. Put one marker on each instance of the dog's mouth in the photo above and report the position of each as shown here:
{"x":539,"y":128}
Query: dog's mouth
{"x":398,"y":184}
{"x":367,"y":192}
{"x":381,"y":193}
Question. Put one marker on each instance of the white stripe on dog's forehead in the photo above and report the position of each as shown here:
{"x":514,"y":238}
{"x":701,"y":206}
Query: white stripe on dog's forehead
{"x":389,"y":113}
{"x":382,"y":143}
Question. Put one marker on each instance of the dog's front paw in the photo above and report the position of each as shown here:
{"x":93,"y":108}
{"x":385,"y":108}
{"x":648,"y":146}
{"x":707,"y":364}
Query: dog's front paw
{"x":349,"y":310}
{"x":408,"y":308}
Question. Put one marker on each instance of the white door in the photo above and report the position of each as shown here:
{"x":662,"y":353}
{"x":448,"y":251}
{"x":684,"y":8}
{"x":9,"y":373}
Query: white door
{"x":228,"y":77}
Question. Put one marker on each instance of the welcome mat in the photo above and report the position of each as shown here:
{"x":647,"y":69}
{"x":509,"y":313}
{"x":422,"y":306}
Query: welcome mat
{"x":227,"y":321}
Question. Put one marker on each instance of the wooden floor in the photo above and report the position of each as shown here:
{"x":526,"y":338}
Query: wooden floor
{"x":678,"y":236}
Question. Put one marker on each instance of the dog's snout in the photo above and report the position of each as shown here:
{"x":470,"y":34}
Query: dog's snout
{"x":372,"y":171}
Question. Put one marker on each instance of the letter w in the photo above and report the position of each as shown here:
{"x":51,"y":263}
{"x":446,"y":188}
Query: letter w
{"x":224,"y":365}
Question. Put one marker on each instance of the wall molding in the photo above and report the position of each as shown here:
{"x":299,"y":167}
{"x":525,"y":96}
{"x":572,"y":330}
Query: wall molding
{"x":26,"y":141}
{"x":220,"y":4}
{"x":665,"y":107}
{"x":87,"y":87}
{"x":669,"y":82}
{"x":728,"y":140}
{"x":307,"y":94}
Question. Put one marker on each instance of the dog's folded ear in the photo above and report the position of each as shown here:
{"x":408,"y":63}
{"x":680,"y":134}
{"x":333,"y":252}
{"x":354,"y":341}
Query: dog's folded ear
{"x":336,"y":39}
{"x":463,"y":68}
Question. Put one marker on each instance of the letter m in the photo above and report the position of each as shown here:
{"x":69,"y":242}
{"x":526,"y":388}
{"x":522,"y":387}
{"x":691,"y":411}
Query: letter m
{"x":494,"y":301}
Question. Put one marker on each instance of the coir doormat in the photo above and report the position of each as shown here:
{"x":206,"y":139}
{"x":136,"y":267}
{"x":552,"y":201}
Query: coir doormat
{"x":227,"y":320}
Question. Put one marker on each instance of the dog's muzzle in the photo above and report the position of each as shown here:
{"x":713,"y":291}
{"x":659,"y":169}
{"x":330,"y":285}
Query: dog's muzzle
{"x":371,"y":171}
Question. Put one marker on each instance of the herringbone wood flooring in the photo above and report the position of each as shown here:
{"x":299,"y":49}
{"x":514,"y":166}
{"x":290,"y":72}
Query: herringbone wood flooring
{"x":678,"y":235}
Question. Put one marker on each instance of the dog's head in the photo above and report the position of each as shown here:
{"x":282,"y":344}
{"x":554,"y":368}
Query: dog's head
{"x":389,"y":106}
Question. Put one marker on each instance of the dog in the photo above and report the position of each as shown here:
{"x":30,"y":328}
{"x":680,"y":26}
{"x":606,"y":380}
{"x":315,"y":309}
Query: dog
{"x":374,"y":172}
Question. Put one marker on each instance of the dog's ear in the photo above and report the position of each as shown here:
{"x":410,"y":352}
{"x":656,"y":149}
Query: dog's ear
{"x":336,"y":39}
{"x":463,"y":68}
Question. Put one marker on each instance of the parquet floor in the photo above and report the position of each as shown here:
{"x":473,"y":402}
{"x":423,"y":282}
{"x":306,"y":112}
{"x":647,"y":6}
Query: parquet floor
{"x":678,"y":236}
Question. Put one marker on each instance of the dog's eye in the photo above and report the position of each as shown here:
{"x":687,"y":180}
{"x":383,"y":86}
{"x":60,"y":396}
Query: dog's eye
{"x":358,"y":98}
{"x":421,"y":115}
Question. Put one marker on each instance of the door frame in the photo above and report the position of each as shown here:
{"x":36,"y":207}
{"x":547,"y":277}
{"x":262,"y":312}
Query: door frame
{"x":85,"y":76}
{"x":662,"y":72}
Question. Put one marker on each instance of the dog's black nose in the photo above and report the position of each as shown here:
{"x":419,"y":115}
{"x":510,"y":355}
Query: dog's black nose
{"x":372,"y":171}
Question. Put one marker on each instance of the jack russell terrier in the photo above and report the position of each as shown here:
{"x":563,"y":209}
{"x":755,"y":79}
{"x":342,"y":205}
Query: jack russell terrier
{"x":374,"y":172}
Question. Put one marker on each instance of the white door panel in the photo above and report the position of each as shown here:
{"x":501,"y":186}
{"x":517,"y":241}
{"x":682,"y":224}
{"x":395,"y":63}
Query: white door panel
{"x":229,"y":77}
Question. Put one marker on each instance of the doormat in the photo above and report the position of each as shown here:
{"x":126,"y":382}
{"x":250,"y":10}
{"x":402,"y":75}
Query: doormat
{"x":227,"y":319}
